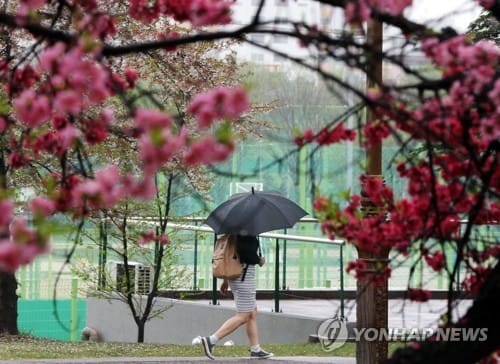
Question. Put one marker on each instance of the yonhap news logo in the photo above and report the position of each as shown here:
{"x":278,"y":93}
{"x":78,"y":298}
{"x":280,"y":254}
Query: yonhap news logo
{"x":450,"y":334}
{"x":333,"y":334}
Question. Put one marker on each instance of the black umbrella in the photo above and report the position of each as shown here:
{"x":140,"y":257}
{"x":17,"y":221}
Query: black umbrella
{"x":255,"y":212}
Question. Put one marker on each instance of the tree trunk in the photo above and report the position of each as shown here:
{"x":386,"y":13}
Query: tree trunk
{"x":8,"y":304}
{"x":483,"y":314}
{"x":140,"y":331}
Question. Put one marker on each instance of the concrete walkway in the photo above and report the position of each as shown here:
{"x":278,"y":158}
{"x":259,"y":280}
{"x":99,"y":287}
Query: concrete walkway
{"x":401,"y":313}
{"x":196,"y":360}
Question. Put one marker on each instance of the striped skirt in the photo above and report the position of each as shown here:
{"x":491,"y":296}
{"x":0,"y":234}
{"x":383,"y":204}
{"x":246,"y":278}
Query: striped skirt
{"x":244,"y":292}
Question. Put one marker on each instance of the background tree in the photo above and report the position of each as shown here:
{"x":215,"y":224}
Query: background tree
{"x":486,"y":26}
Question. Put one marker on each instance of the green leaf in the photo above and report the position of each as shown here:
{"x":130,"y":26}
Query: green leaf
{"x":224,"y":133}
{"x":5,"y":107}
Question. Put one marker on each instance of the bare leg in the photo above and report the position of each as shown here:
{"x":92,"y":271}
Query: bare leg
{"x":233,"y":323}
{"x":252,"y":329}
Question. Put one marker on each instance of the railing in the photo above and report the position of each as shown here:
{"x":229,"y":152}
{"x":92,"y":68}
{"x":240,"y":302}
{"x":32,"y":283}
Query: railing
{"x":284,"y":237}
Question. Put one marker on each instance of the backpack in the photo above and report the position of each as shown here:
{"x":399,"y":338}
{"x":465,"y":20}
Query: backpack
{"x":225,"y":260}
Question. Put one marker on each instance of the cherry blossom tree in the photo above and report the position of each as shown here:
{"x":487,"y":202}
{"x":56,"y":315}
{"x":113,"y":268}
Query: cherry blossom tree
{"x":62,"y":79}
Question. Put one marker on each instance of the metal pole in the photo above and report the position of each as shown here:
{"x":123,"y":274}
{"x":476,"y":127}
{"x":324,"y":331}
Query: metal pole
{"x":74,"y":308}
{"x":277,"y":278}
{"x":195,"y":275}
{"x":342,"y":281}
{"x":214,"y":281}
{"x":284,"y":263}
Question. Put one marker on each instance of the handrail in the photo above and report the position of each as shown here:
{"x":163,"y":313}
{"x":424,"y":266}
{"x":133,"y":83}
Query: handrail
{"x":308,"y":239}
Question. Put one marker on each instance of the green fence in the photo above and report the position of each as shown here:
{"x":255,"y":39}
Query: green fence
{"x":60,"y":319}
{"x":57,"y":318}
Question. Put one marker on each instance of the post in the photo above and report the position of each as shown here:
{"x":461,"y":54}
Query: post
{"x":284,"y":263}
{"x":103,"y":248}
{"x":277,"y":278}
{"x":74,"y":308}
{"x":372,"y":297}
{"x":214,"y":281}
{"x":342,"y":281}
{"x":195,"y":263}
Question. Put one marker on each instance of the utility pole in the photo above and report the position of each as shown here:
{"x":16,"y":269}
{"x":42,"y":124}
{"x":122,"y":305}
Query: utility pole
{"x":371,"y":297}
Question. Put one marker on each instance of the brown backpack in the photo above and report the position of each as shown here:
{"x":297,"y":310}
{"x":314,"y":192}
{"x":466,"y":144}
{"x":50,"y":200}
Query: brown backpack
{"x":225,"y":260}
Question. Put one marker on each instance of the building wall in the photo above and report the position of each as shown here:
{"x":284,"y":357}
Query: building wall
{"x":296,"y":10}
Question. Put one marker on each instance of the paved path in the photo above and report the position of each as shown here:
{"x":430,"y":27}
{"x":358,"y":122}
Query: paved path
{"x":402,"y":314}
{"x":197,"y":360}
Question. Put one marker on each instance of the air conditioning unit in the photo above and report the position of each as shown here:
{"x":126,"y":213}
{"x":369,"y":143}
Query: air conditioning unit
{"x":141,"y":277}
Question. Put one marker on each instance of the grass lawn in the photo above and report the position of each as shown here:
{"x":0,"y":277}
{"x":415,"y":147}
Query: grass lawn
{"x":25,"y":347}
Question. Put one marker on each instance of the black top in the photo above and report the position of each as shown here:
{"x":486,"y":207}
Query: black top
{"x":247,"y":247}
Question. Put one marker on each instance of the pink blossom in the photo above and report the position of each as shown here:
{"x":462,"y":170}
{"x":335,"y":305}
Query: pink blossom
{"x":26,"y":6}
{"x":156,"y":149}
{"x":150,"y":236}
{"x":356,"y":12}
{"x":97,"y":130}
{"x":436,"y":260}
{"x":17,"y":160}
{"x":393,"y":7}
{"x":147,"y":237}
{"x":42,"y":206}
{"x":207,"y":151}
{"x":25,"y":244}
{"x":149,"y":119}
{"x":68,"y":101}
{"x":49,"y":58}
{"x":11,"y":255}
{"x":144,"y":189}
{"x":210,"y":12}
{"x":31,"y":108}
{"x":358,"y":266}
{"x":487,"y":4}
{"x":173,"y":34}
{"x":99,"y":25}
{"x":131,"y":77}
{"x":144,"y":10}
{"x":67,"y":136}
{"x":178,"y":9}
{"x":33,"y":4}
{"x":103,"y":191}
{"x":164,"y":239}
{"x":419,"y":295}
{"x":7,"y":208}
{"x":3,"y":125}
{"x":218,"y":103}
{"x":321,"y":203}
{"x":337,"y":134}
{"x":84,"y":76}
{"x":21,"y":234}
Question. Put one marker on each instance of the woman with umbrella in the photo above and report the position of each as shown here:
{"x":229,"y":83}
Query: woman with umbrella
{"x":246,"y":215}
{"x":244,"y":293}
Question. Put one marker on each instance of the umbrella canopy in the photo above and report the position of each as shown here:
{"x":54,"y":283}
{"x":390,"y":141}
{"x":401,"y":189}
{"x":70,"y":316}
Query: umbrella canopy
{"x":255,"y":212}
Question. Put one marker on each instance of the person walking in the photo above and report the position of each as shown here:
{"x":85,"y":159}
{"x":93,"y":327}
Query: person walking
{"x":244,"y":293}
